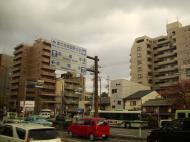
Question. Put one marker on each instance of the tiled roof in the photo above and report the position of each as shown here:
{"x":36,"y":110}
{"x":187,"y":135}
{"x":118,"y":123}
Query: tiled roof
{"x":138,"y":95}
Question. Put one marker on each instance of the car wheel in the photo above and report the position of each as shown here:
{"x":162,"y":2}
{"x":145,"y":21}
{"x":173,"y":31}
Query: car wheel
{"x":91,"y":137}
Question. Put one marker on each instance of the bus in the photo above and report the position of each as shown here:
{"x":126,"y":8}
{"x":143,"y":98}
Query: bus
{"x":124,"y":118}
{"x":182,"y":114}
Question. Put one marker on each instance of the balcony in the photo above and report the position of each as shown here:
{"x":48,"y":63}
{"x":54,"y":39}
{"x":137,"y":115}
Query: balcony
{"x":18,"y":51}
{"x":173,"y":53}
{"x":48,"y":73}
{"x":163,"y":48}
{"x":46,"y":60}
{"x":49,"y":87}
{"x":72,"y":102}
{"x":49,"y":101}
{"x":72,"y":81}
{"x":168,"y":61}
{"x":14,"y":87}
{"x":16,"y":74}
{"x":70,"y":87}
{"x":166,"y":84}
{"x":167,"y":69}
{"x":48,"y":80}
{"x":71,"y":95}
{"x":168,"y":76}
{"x":15,"y":81}
{"x":47,"y":67}
{"x":46,"y":54}
{"x":46,"y":94}
{"x":48,"y":48}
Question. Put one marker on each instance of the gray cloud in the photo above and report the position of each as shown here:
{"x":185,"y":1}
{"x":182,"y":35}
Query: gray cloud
{"x":107,"y":28}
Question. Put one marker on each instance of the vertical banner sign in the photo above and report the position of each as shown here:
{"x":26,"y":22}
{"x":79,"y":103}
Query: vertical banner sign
{"x":68,"y":57}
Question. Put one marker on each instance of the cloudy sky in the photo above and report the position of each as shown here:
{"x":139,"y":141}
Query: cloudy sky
{"x":106,"y":28}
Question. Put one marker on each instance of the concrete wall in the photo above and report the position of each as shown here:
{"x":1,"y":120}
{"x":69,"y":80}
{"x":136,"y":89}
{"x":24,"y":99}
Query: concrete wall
{"x":124,"y":88}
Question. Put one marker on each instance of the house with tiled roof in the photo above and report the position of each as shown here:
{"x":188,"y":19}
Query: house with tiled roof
{"x":137,"y":99}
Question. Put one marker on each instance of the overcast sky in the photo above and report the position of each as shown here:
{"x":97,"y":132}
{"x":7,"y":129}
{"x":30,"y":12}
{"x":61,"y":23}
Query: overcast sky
{"x":106,"y":28}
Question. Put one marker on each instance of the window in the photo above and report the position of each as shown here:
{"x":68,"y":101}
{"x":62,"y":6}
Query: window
{"x":114,"y":91}
{"x":139,"y":76}
{"x":139,"y":68}
{"x":21,"y":133}
{"x":139,"y":62}
{"x":70,"y":56}
{"x":69,"y":65}
{"x":132,"y":103}
{"x":42,"y":134}
{"x":140,"y":40}
{"x":181,"y":115}
{"x":139,"y":55}
{"x":138,"y":48}
{"x":7,"y":131}
{"x":188,"y":72}
{"x":119,"y":102}
{"x":87,"y":122}
{"x":113,"y":106}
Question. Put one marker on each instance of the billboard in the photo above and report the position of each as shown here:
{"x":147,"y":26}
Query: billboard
{"x":68,"y":57}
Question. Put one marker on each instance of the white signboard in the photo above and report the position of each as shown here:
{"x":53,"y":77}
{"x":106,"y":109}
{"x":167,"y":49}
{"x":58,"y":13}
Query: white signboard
{"x":68,"y":57}
{"x":28,"y":104}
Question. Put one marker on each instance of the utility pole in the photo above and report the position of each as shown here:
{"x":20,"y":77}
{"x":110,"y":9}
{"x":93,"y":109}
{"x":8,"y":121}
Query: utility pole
{"x":95,"y":71}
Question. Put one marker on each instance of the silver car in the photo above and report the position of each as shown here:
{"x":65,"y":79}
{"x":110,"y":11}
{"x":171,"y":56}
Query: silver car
{"x":26,"y":132}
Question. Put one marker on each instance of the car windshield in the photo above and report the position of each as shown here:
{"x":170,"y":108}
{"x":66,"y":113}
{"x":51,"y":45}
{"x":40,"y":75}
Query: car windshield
{"x":42,"y":134}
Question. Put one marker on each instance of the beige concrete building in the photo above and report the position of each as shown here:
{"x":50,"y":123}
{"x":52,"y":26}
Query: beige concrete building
{"x":74,"y":87}
{"x":162,"y":61}
{"x":5,"y":76}
{"x":122,"y":88}
{"x":85,"y":102}
{"x":59,"y":93}
{"x":32,"y":63}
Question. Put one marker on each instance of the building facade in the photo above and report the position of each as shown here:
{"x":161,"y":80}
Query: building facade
{"x":122,"y":88}
{"x":74,"y":87}
{"x":5,"y":76}
{"x":32,"y":63}
{"x":162,"y":61}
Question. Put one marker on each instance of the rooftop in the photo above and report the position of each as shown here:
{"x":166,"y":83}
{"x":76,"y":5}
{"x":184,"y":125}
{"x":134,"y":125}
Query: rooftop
{"x":159,"y":102}
{"x":138,"y":95}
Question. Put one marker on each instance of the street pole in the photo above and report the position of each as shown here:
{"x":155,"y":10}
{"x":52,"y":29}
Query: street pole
{"x":95,"y":71}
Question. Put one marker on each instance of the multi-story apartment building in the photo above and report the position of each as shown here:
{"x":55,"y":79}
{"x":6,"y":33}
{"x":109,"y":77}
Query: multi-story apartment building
{"x":32,"y":63}
{"x":162,"y":61}
{"x":73,"y":89}
{"x":5,"y":76}
{"x":120,"y":89}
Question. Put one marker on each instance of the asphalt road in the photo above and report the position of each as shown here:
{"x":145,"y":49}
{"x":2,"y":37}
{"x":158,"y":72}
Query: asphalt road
{"x":117,"y":135}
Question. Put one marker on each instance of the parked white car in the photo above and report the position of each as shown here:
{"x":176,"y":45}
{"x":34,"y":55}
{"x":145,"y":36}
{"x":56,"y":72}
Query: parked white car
{"x":21,"y":132}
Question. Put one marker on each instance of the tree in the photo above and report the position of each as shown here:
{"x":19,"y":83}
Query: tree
{"x":180,"y":92}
